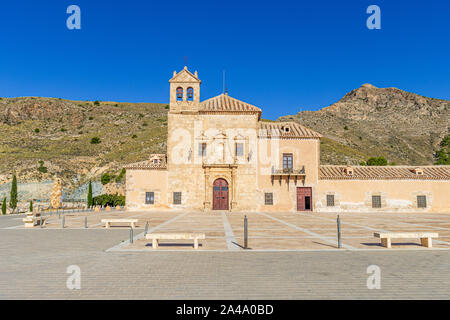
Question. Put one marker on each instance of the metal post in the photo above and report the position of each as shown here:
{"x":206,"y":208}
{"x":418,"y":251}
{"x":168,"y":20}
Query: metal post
{"x":245,"y":232}
{"x":85,"y":222}
{"x":339,"y":232}
{"x":63,"y":220}
{"x":59,"y":214}
{"x":146,"y":229}
{"x":131,"y":235}
{"x":40,"y":223}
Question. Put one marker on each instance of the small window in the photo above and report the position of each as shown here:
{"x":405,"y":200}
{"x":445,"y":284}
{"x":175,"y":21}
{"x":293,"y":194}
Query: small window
{"x":155,"y":161}
{"x":376,"y":201}
{"x":268,"y":198}
{"x":239,"y":149}
{"x":149,"y":198}
{"x":421,"y":201}
{"x":177,"y":198}
{"x":330,"y":200}
{"x":179,"y":94}
{"x":202,"y":149}
{"x":190,"y":94}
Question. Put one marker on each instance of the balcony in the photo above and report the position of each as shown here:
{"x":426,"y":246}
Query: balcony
{"x":288,"y":173}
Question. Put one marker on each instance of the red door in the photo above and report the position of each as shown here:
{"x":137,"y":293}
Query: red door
{"x":304,"y":199}
{"x":220,"y":194}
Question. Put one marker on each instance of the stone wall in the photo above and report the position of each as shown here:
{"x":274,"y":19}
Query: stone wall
{"x":396,"y":195}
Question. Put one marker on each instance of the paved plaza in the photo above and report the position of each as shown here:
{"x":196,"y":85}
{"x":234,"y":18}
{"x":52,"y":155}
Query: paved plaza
{"x":291,"y":256}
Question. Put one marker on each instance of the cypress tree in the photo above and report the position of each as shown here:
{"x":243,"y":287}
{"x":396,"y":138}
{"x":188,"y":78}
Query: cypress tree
{"x":4,"y":206}
{"x":31,"y":205}
{"x":89,"y":197}
{"x":13,"y":195}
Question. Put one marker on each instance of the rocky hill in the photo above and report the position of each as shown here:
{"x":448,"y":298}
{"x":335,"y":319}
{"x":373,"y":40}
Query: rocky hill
{"x":43,"y":138}
{"x":404,"y":127}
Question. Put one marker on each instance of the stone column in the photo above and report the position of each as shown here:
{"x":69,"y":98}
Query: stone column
{"x":207,"y":203}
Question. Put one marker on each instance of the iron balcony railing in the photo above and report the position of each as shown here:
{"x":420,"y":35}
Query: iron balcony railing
{"x":291,"y":171}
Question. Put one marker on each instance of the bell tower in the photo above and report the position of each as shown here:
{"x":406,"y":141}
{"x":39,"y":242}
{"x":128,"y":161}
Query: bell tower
{"x":184,"y":92}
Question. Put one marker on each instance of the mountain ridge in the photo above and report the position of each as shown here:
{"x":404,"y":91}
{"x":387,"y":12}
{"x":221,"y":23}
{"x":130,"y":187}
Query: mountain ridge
{"x":404,"y":127}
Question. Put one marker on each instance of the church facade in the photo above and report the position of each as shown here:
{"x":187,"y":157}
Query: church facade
{"x":222,"y":156}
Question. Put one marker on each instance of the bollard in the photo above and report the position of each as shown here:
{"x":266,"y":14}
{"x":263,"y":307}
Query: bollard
{"x":245,"y":233}
{"x":131,"y":235}
{"x":62,"y":222}
{"x":85,"y":222}
{"x":146,"y":229}
{"x":339,"y":232}
{"x":40,"y":223}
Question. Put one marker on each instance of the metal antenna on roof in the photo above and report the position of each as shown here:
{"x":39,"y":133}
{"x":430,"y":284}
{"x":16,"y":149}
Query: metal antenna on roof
{"x":223,"y":82}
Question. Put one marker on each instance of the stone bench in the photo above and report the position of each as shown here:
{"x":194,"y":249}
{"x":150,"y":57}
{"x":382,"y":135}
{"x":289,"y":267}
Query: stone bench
{"x":108,"y":222}
{"x":155,"y":237}
{"x":30,"y":222}
{"x":425,"y":237}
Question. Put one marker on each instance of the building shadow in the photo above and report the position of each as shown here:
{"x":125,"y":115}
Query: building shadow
{"x":373,"y":244}
{"x":175,"y":245}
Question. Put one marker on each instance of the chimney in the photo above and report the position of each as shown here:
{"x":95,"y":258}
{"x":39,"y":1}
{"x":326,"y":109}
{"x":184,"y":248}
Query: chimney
{"x":348,"y":171}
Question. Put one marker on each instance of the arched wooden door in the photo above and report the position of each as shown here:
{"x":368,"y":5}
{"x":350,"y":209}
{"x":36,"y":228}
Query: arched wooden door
{"x":220,"y":194}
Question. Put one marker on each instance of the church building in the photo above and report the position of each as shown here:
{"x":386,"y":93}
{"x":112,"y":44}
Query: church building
{"x":222,"y":156}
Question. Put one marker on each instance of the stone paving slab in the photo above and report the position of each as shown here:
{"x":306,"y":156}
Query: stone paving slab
{"x":34,"y":267}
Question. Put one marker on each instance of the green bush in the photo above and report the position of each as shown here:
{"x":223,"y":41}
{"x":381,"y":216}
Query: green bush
{"x":442,"y":156}
{"x":134,"y":136}
{"x":63,"y":130}
{"x":95,"y":140}
{"x":111,"y":200}
{"x":345,"y":128}
{"x":36,"y":130}
{"x":91,"y":118}
{"x":96,"y":103}
{"x":106,"y":178}
{"x":380,"y":161}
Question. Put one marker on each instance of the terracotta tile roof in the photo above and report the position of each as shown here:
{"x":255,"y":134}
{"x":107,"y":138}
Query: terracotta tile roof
{"x":225,"y":103}
{"x":328,"y":172}
{"x":286,"y":130}
{"x":146,"y":165}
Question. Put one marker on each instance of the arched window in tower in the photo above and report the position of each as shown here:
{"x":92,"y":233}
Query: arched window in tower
{"x":190,"y":94}
{"x":179,"y":94}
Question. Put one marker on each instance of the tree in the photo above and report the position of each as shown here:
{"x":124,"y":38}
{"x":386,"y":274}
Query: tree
{"x":106,"y":178}
{"x":13,"y":194}
{"x":89,"y":197}
{"x":4,"y":206}
{"x":31,"y":205}
{"x":120,"y":176}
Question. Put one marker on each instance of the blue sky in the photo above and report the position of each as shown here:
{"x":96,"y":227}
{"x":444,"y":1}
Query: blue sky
{"x":278,"y":55}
